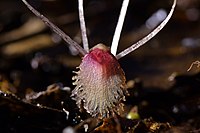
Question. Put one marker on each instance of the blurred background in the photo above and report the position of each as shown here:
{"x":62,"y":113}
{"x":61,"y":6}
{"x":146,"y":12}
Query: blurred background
{"x":24,"y":38}
{"x":33,"y":57}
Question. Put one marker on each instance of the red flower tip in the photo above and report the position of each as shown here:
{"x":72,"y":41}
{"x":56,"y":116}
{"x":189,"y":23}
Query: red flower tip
{"x":100,"y":83}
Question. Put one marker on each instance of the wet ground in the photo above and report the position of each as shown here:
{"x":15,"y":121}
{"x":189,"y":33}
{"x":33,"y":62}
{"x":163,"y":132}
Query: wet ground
{"x":36,"y":67}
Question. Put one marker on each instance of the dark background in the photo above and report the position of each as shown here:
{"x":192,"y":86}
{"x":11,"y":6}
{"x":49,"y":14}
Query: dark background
{"x":33,"y":57}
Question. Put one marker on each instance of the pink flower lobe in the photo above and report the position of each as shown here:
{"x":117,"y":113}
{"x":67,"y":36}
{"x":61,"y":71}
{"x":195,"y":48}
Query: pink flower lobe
{"x":100,"y":83}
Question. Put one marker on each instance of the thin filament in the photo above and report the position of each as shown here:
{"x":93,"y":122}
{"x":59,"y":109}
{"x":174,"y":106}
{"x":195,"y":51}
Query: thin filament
{"x":194,"y":63}
{"x":119,"y":26}
{"x":82,"y":25}
{"x":65,"y":37}
{"x":149,"y":36}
